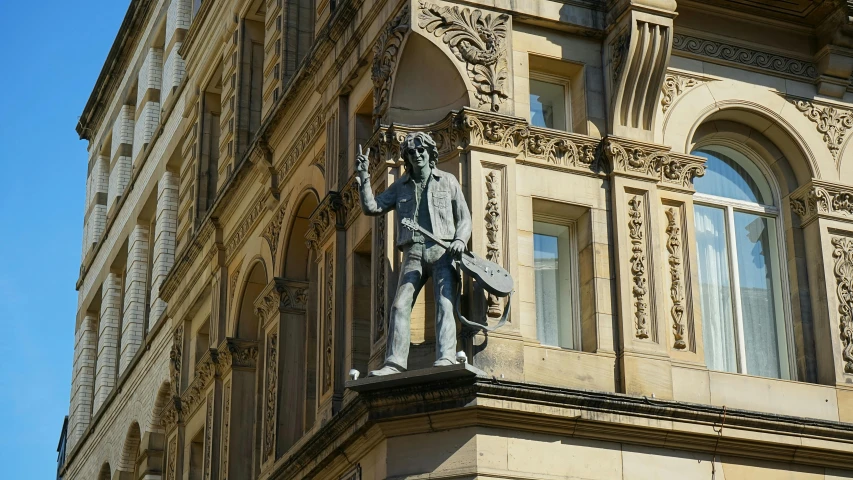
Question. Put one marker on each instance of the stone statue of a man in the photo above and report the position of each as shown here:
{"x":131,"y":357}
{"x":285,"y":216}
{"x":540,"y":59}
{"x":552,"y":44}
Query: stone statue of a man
{"x":433,"y":200}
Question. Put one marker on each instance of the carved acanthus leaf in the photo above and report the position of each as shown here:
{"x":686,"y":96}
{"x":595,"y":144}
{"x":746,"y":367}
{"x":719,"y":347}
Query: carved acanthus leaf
{"x":273,"y":229}
{"x":386,"y":51}
{"x":669,"y":168}
{"x":271,"y":392}
{"x":823,"y":198}
{"x":476,"y":39}
{"x":639,"y":289}
{"x":674,"y":85}
{"x":832,"y":122}
{"x":673,"y":247}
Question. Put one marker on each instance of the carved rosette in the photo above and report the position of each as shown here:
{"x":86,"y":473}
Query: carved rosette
{"x":379,"y":292}
{"x":172,"y":460}
{"x":674,"y":85}
{"x":671,"y":169}
{"x":208,"y":438}
{"x":639,"y":290}
{"x":493,"y":232}
{"x":833,"y":123}
{"x":825,"y":199}
{"x":328,"y":323}
{"x":673,"y":246}
{"x":270,"y":393}
{"x":386,"y":51}
{"x":478,"y":40}
{"x":843,"y":255}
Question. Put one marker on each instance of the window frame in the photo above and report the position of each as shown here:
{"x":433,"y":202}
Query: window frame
{"x":730,"y":206}
{"x":567,"y":97}
{"x":574,"y":262}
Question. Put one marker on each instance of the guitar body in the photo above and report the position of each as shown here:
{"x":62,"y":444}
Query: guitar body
{"x":491,"y":276}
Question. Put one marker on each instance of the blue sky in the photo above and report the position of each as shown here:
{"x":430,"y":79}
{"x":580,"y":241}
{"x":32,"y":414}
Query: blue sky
{"x":51,"y":55}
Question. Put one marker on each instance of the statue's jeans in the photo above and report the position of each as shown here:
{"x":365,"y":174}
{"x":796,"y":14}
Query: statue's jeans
{"x":421,"y":261}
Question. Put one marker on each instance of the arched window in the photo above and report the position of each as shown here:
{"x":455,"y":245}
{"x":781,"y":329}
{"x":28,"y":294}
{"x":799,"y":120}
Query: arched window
{"x":741,"y":274}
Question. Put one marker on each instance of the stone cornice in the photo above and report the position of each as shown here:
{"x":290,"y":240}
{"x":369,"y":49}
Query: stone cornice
{"x":821,"y":199}
{"x":467,"y":402}
{"x":652,"y":162}
{"x":112,"y":73}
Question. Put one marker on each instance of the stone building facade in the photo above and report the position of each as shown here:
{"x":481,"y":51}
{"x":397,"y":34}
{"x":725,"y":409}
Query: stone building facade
{"x":671,"y":187}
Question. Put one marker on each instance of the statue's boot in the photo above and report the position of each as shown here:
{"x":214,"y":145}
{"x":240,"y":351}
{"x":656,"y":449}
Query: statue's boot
{"x":443,"y":362}
{"x":388,"y":369}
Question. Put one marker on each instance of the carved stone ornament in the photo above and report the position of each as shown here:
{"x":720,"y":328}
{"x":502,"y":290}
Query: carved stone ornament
{"x":673,"y":246}
{"x":226,"y":427}
{"x":175,"y":359}
{"x":701,"y":47}
{"x":205,"y":371}
{"x":235,"y":353}
{"x":294,"y":294}
{"x":843,"y":255}
{"x":321,"y":223}
{"x":273,"y":229}
{"x":267,"y":305}
{"x":379,"y":292}
{"x":833,"y":123}
{"x":270,"y":394}
{"x":232,"y":285}
{"x":208,"y":438}
{"x":820,"y":198}
{"x":245,"y":227}
{"x":303,"y":143}
{"x":668,"y":168}
{"x":328,"y":322}
{"x":493,"y":230}
{"x":639,"y":290}
{"x":476,"y":39}
{"x":674,"y":84}
{"x":386,"y":52}
{"x":618,"y":49}
{"x":172,"y":460}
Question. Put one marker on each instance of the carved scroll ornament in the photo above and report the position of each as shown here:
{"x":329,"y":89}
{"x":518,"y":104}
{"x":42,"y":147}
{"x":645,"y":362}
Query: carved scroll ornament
{"x":674,"y":85}
{"x":639,"y":290}
{"x":675,"y":169}
{"x":823,"y":198}
{"x":386,"y":52}
{"x":843,"y":269}
{"x":833,"y":123}
{"x":270,"y":394}
{"x":673,"y":246}
{"x":478,"y":40}
{"x":493,"y":228}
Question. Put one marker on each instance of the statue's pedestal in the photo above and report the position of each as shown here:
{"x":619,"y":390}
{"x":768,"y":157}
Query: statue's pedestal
{"x":412,"y":377}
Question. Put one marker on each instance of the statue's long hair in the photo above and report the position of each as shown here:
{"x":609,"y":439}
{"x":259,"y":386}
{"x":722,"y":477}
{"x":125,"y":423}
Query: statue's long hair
{"x":427,"y":142}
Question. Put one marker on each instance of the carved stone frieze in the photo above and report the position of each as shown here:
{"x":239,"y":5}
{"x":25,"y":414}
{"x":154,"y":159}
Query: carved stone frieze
{"x":205,"y":371}
{"x":386,"y":52}
{"x":639,"y":289}
{"x":321,"y":223}
{"x":175,"y":359}
{"x":245,"y":227}
{"x":833,"y":123}
{"x":328,"y":322}
{"x":235,"y":353}
{"x":676,"y":288}
{"x":232,"y":285}
{"x":843,"y":255}
{"x":306,"y":138}
{"x":270,"y":393}
{"x":478,"y":40}
{"x":226,"y":427}
{"x":349,"y":207}
{"x":823,"y":199}
{"x":632,"y":158}
{"x":674,"y":84}
{"x":746,"y":57}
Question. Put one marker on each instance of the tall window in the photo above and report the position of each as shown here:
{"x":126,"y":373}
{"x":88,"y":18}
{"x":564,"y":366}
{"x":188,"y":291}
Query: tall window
{"x":738,"y":242}
{"x":555,"y":260}
{"x":549,"y":102}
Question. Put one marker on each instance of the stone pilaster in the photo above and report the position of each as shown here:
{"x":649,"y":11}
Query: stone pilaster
{"x":96,"y":202}
{"x":150,"y":81}
{"x":120,"y":154}
{"x":165,"y":229}
{"x":108,"y":332}
{"x":178,"y":19}
{"x":83,"y":378}
{"x":133,"y":323}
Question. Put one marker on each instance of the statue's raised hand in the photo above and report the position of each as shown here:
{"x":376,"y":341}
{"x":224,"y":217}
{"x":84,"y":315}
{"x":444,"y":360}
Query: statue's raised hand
{"x":362,"y":166}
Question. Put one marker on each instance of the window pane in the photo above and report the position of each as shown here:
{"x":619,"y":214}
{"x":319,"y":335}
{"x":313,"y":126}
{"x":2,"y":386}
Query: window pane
{"x":760,"y":293}
{"x":553,"y":284}
{"x":547,"y":104}
{"x":715,"y":289}
{"x":731,"y":175}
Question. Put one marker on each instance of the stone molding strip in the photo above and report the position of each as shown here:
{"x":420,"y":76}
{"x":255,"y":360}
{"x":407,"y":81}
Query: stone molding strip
{"x":718,"y":52}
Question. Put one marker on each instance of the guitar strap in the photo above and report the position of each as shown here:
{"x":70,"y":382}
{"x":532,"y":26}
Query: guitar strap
{"x":473,"y":325}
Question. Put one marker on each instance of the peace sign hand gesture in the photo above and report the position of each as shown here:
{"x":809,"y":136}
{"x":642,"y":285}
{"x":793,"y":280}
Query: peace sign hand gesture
{"x":362,"y":166}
